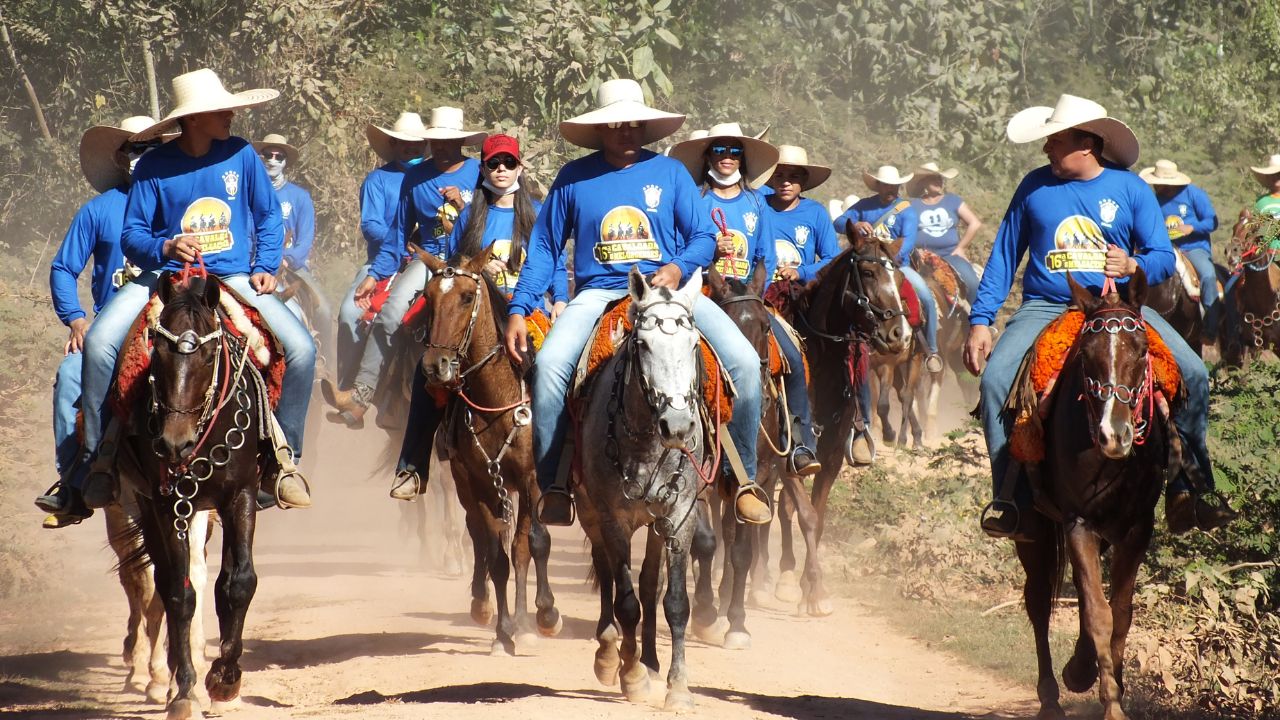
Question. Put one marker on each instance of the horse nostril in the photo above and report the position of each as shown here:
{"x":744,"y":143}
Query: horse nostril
{"x":895,"y":333}
{"x":664,"y":427}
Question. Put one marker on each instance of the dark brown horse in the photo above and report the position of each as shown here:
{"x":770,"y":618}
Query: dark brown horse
{"x":198,"y":443}
{"x":1106,"y":451}
{"x":491,"y":444}
{"x":1251,"y":321}
{"x":1174,"y":302}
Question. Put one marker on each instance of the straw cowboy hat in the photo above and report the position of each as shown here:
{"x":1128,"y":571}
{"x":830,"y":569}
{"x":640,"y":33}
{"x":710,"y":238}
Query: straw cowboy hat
{"x":886,"y":174}
{"x":446,"y":124}
{"x":758,"y":156}
{"x":277,"y":141}
{"x":98,"y":148}
{"x":1164,"y":172}
{"x":407,"y":128}
{"x":796,"y":156}
{"x":619,"y":100}
{"x":931,"y":168}
{"x":1271,"y":168}
{"x":200,"y":91}
{"x":1037,"y":123}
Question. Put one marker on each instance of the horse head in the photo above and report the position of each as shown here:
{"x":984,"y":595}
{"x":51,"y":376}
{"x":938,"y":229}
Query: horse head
{"x":663,"y":353}
{"x":869,"y":303}
{"x":1114,"y":366}
{"x":455,"y":296}
{"x":185,"y":361}
{"x":743,"y":304}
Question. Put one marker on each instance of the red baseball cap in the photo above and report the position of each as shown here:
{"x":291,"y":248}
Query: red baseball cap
{"x":499,"y":144}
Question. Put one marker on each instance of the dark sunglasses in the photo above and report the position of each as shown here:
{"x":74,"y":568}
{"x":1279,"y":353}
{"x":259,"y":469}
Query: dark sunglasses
{"x":633,"y":124}
{"x":138,"y":148}
{"x":504,"y":161}
{"x":272,"y":155}
{"x":723,"y":150}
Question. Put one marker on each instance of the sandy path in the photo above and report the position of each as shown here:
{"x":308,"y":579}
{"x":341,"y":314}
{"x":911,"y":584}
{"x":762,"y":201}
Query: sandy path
{"x":348,"y":622}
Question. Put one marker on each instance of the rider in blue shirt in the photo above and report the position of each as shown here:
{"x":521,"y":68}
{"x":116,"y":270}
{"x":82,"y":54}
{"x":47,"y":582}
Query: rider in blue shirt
{"x":940,"y":214}
{"x":1190,"y":219}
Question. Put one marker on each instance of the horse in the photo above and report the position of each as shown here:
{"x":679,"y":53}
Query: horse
{"x":491,"y":447}
{"x":1174,"y":302}
{"x":641,"y":418}
{"x":1251,"y":323}
{"x":198,"y":443}
{"x":851,"y":318}
{"x":1096,"y":488}
{"x":953,"y":331}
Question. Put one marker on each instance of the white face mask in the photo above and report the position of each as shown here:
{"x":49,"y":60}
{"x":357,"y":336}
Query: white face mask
{"x":499,"y":192}
{"x":724,"y":180}
{"x":275,"y":168}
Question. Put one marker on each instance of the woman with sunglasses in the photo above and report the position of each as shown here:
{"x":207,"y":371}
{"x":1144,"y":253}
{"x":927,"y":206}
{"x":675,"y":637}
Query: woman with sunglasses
{"x":498,"y":221}
{"x":729,"y":167}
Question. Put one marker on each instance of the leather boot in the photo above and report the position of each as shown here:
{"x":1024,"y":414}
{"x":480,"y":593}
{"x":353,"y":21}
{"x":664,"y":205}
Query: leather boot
{"x":556,"y":507}
{"x":751,"y":505}
{"x":407,"y":485}
{"x":804,"y":462}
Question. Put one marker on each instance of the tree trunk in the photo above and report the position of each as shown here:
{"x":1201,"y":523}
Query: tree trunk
{"x":148,"y":60}
{"x":31,"y":91}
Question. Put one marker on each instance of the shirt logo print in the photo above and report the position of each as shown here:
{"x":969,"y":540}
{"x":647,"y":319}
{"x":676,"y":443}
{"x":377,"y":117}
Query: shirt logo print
{"x":652,"y":197}
{"x":231,"y":180}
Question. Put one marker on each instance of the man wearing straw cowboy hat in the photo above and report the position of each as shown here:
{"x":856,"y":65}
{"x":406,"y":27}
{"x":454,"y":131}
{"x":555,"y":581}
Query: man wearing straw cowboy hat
{"x":1269,"y":177}
{"x":299,"y":215}
{"x":1085,"y":212}
{"x":399,"y":147}
{"x":431,"y":196}
{"x":888,"y":217}
{"x":669,"y":238}
{"x":1190,"y":219}
{"x":107,"y":159}
{"x":209,"y":179}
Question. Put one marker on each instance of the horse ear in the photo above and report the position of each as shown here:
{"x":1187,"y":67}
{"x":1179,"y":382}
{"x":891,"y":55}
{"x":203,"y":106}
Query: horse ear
{"x":433,"y":263}
{"x":856,"y":241}
{"x":895,"y":247}
{"x":1080,"y":296}
{"x":693,"y":288}
{"x":212,"y":292}
{"x":164,"y":288}
{"x":1138,"y":288}
{"x":715,"y":280}
{"x":637,"y":285}
{"x":477,"y":263}
{"x":758,"y":277}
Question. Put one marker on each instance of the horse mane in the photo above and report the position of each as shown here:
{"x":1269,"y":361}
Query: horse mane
{"x":817,"y":302}
{"x":498,"y":301}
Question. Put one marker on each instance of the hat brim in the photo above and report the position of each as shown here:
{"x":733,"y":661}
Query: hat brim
{"x":467,"y":138}
{"x":1261,"y":174}
{"x":584,"y":132}
{"x":818,"y":174}
{"x":217,"y":103}
{"x":949,"y":174}
{"x":759,"y":157}
{"x":869,"y":180}
{"x":1149,"y":175}
{"x":1120,"y":144}
{"x":290,"y":152}
{"x":98,"y":148}
{"x":380,"y":140}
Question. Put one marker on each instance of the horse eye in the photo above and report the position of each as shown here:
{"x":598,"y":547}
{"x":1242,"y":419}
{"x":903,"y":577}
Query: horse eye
{"x":468,"y":297}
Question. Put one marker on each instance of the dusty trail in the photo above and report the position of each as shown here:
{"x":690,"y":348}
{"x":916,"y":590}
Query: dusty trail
{"x":347,"y":622}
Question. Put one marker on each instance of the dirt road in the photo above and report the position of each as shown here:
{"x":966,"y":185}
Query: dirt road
{"x":348,"y":621}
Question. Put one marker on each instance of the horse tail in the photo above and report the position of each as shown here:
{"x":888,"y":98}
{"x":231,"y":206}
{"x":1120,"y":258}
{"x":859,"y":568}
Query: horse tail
{"x":131,"y":550}
{"x":1060,"y":560}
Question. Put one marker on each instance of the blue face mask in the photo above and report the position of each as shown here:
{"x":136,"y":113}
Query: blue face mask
{"x":413,"y":162}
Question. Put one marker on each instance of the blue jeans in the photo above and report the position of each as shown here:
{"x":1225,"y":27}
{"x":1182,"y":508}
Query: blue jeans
{"x":797,"y":385}
{"x":555,"y":363}
{"x":407,"y":284}
{"x":967,"y":274}
{"x":928,"y":307}
{"x":1021,"y":332}
{"x":108,"y":331}
{"x":66,"y":400}
{"x":1202,"y":261}
{"x":347,"y":349}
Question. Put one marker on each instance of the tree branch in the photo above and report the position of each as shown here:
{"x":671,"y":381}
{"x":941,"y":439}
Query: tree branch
{"x":31,"y":91}
{"x":149,"y":62}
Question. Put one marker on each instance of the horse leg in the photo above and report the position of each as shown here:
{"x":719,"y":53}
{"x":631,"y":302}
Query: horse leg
{"x":198,"y":572}
{"x":482,"y":609}
{"x":499,"y":572}
{"x":1126,"y":558}
{"x":733,"y":598}
{"x":548,"y":618}
{"x":134,"y":582}
{"x":174,"y":586}
{"x":703,"y":550}
{"x":816,"y":601}
{"x":1096,"y":611}
{"x":446,"y":492}
{"x":1041,"y":563}
{"x":762,"y":582}
{"x":676,"y":607}
{"x":787,"y":588}
{"x":606,"y":662}
{"x":649,"y":581}
{"x":520,"y":557}
{"x":626,"y":610}
{"x":232,"y":592}
{"x":883,"y":381}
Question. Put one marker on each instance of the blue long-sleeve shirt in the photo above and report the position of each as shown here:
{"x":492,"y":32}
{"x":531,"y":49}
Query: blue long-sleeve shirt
{"x":804,"y":238}
{"x":299,"y":215}
{"x":750,"y":221}
{"x":223,"y":197}
{"x":891,"y":220}
{"x":1191,"y":206}
{"x":499,"y":225}
{"x":379,"y":196}
{"x":646,"y":215}
{"x":419,"y":207}
{"x":1066,"y":225}
{"x":94,"y":233}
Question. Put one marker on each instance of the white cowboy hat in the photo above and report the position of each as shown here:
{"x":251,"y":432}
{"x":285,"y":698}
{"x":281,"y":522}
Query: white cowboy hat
{"x":407,"y":128}
{"x":98,"y":148}
{"x":619,"y":100}
{"x":931,"y":168}
{"x":698,"y":134}
{"x":1120,"y":145}
{"x":1164,"y":172}
{"x":850,"y":200}
{"x":797,"y":157}
{"x":200,"y":91}
{"x":277,"y":141}
{"x":1271,"y":168}
{"x":446,"y":124}
{"x":758,"y":156}
{"x":764,"y":134}
{"x":886,"y":174}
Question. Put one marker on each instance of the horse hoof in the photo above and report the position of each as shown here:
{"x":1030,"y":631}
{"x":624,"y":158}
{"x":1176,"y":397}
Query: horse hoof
{"x":607,"y":660}
{"x":712,"y":634}
{"x":219,"y":707}
{"x":678,"y":701}
{"x":820,"y":607}
{"x":788,"y":588}
{"x":482,"y":611}
{"x":526,"y":639}
{"x":553,"y":628}
{"x":635,"y":684}
{"x":183,"y":710}
{"x":1079,"y":679}
{"x":1051,"y":713}
{"x":157,"y":692}
{"x":759,"y":598}
{"x":499,"y":649}
{"x":737,"y":641}
{"x":219,"y":691}
{"x":452,"y":567}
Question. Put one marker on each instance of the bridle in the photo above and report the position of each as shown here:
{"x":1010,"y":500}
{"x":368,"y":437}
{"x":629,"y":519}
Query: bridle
{"x":657,"y":400}
{"x":865,"y":309}
{"x":1141,"y":398}
{"x":463,"y":346}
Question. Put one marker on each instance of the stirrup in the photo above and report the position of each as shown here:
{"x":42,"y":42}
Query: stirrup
{"x":854,"y":434}
{"x":287,"y":469}
{"x":402,"y":477}
{"x":754,"y":489}
{"x":1005,"y":506}
{"x":557,"y":490}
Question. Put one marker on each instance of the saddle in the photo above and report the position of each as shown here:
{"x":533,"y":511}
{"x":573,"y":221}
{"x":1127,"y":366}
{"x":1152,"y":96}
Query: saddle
{"x":381,"y":291}
{"x":942,"y":272}
{"x":1036,"y":380}
{"x":238,"y":319}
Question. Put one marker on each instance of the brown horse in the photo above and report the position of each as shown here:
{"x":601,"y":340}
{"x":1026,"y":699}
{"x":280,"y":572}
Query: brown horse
{"x":198,"y":443}
{"x":953,"y":331}
{"x":1251,"y":323}
{"x":491,"y":444}
{"x":1174,"y":302}
{"x":1096,"y":489}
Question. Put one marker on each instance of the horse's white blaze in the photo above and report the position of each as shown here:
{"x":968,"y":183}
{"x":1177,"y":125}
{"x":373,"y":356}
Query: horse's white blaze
{"x":446,"y":284}
{"x":897,"y":299}
{"x":1110,"y":427}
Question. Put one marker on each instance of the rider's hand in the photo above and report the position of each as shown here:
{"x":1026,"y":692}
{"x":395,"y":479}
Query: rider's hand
{"x":495,"y":267}
{"x":75,"y":343}
{"x":668,"y":276}
{"x":1119,"y":264}
{"x":556,"y":308}
{"x":788,"y":273}
{"x":364,"y":292}
{"x":517,"y":338}
{"x":1185,"y":230}
{"x":862,"y":228}
{"x":183,"y":248}
{"x":977,"y":348}
{"x":263,"y":283}
{"x":724,"y":246}
{"x":452,"y":196}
